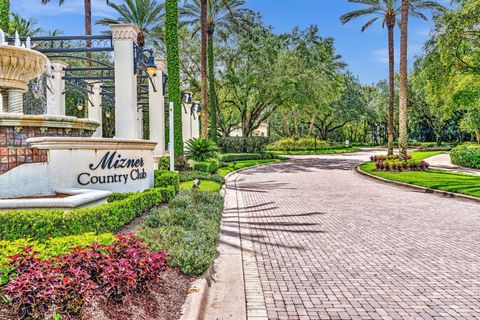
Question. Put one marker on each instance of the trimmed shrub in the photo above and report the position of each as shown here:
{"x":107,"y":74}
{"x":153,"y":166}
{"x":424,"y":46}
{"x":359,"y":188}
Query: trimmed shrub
{"x":45,"y":224}
{"x":242,"y":145}
{"x":200,"y":149}
{"x":302,"y":144}
{"x":51,"y":247}
{"x":188,"y":230}
{"x":164,"y":163}
{"x":165,"y":178}
{"x":231,"y":157}
{"x":207,"y":167}
{"x":466,"y":155}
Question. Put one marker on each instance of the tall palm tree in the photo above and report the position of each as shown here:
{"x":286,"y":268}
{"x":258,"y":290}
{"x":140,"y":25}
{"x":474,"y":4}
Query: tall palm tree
{"x":222,"y":17}
{"x":146,"y":15}
{"x":403,"y":118}
{"x":387,"y":11}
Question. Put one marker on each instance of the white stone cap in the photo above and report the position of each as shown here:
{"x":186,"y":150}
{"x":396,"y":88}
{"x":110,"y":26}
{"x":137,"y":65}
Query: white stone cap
{"x":49,"y":121}
{"x":124,"y":32}
{"x":72,"y":143}
{"x":77,"y":198}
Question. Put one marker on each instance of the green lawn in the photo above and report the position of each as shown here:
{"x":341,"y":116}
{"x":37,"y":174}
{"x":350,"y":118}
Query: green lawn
{"x":421,"y":155}
{"x":205,"y":185}
{"x":436,"y":179}
{"x":245,"y":164}
{"x":326,"y":151}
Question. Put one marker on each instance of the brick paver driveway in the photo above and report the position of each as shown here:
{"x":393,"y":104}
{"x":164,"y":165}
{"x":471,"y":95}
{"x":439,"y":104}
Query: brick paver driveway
{"x":329,"y":244}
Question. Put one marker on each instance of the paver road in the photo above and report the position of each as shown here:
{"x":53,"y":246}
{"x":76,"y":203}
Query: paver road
{"x":330,"y":244}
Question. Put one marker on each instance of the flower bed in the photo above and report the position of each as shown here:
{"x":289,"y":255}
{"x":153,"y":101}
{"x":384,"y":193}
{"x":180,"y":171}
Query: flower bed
{"x":60,"y":287}
{"x":398,"y":163}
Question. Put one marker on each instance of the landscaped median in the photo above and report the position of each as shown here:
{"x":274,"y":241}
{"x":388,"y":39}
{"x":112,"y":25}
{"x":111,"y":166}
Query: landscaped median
{"x":443,"y":180}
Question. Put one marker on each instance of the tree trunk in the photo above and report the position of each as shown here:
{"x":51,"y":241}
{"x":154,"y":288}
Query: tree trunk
{"x":477,"y":133}
{"x":204,"y":70}
{"x":403,"y":117}
{"x":391,"y":94}
{"x":173,"y":65}
{"x":213,"y":95}
{"x":88,"y":29}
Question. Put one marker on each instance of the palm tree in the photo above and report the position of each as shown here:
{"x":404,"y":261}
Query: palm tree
{"x":222,"y":17}
{"x":24,"y":27}
{"x":146,"y":15}
{"x":387,"y":11}
{"x":403,"y":118}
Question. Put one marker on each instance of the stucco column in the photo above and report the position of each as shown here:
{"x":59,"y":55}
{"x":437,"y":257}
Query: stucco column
{"x":156,"y":109}
{"x":140,"y":122}
{"x":186,"y":122}
{"x":15,"y":101}
{"x":195,"y":119}
{"x":95,"y":107}
{"x":56,"y":97}
{"x":3,"y":101}
{"x":124,"y":38}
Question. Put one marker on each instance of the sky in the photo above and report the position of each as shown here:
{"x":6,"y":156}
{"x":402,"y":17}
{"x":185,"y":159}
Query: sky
{"x":365,"y":53}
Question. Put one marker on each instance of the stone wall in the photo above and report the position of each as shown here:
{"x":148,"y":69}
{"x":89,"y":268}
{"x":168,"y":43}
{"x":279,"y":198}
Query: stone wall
{"x":15,"y":151}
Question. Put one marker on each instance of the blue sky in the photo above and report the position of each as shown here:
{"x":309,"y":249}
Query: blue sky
{"x":365,"y":53}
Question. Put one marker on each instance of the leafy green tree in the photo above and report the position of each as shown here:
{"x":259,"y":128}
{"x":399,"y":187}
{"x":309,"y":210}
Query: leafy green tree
{"x":173,"y":65}
{"x":146,"y":15}
{"x":222,"y":16}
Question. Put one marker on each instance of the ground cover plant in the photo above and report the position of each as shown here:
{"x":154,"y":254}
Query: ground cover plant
{"x":436,"y":179}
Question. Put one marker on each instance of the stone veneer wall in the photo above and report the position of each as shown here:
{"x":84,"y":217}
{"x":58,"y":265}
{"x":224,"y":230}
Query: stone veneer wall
{"x":15,"y":151}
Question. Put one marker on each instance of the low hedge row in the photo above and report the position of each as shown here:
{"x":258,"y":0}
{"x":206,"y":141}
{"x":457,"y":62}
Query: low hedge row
{"x":209,"y":167}
{"x":466,"y":155}
{"x":231,"y":157}
{"x":45,"y":224}
{"x":302,"y":144}
{"x":51,"y":247}
{"x":242,"y":144}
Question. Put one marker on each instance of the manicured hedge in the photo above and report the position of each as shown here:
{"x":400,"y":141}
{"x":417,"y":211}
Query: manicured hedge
{"x":302,"y":144}
{"x":164,"y":178}
{"x":52,"y":247}
{"x":242,"y":145}
{"x":231,"y":157}
{"x":466,"y":155}
{"x":45,"y":224}
{"x":208,"y":167}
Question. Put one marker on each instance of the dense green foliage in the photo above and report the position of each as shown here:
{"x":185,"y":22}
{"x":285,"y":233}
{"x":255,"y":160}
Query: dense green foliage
{"x":210,"y":166}
{"x":200,"y":149}
{"x":173,"y":83}
{"x":45,"y":224}
{"x":4,"y":15}
{"x":52,"y":247}
{"x":188,"y":230}
{"x":242,"y":145}
{"x":292,"y":144}
{"x":164,"y":179}
{"x":466,"y":155}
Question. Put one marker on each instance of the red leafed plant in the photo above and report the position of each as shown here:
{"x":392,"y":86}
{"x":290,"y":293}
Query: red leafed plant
{"x":65,"y":283}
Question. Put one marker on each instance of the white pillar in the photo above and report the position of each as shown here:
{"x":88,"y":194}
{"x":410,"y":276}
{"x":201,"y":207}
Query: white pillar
{"x":95,"y":107}
{"x":124,"y":38}
{"x":195,"y":118}
{"x":15,"y":101}
{"x":156,"y":109}
{"x":56,"y":97}
{"x":186,"y":122}
{"x":140,"y":122}
{"x":3,"y":101}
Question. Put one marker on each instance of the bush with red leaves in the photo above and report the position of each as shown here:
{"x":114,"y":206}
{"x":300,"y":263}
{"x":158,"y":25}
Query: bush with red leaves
{"x":39,"y":288}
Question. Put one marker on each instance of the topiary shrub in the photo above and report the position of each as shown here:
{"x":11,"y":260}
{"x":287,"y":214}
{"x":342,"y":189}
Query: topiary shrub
{"x":165,"y":178}
{"x":466,"y":155}
{"x":200,"y":149}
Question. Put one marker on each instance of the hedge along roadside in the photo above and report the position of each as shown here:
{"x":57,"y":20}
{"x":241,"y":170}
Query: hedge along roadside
{"x":45,"y":224}
{"x":231,"y":157}
{"x":466,"y":155}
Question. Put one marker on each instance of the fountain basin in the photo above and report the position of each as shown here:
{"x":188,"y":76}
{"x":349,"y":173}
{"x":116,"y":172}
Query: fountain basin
{"x":20,"y":65}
